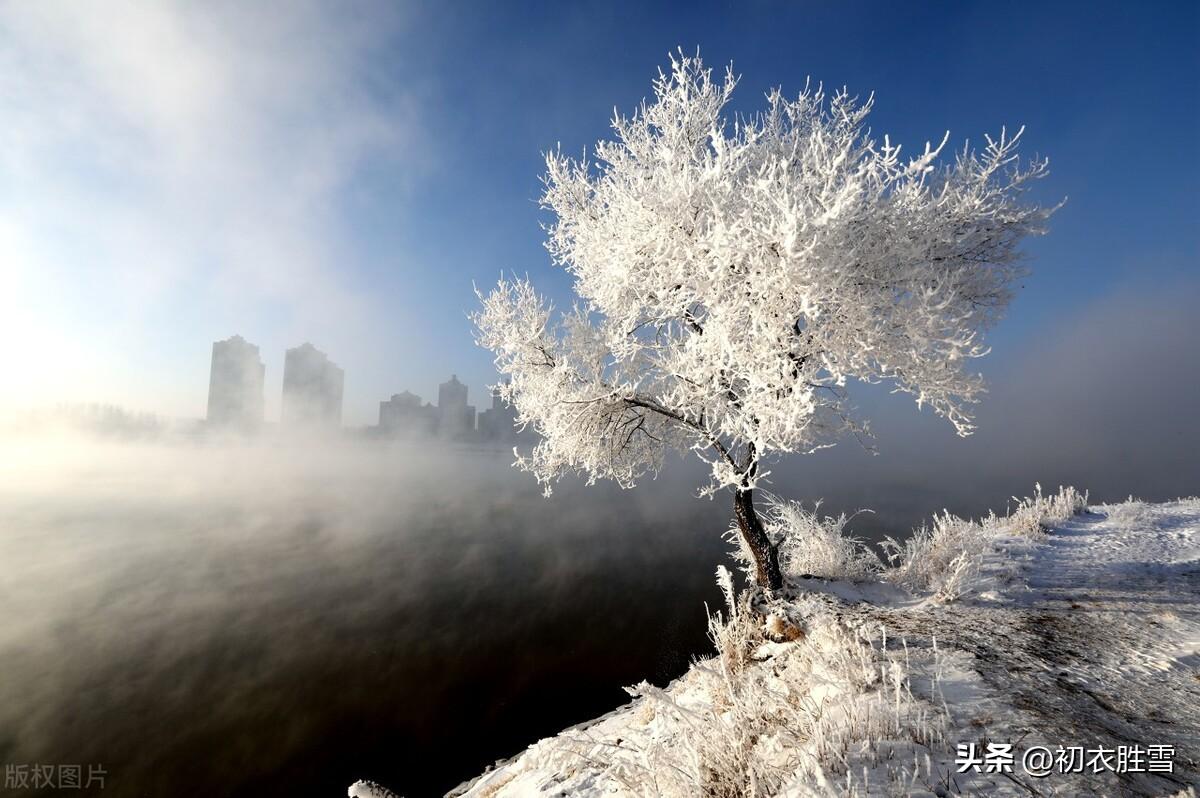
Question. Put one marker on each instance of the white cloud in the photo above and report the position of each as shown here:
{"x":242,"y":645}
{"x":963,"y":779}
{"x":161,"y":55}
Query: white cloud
{"x":158,"y":155}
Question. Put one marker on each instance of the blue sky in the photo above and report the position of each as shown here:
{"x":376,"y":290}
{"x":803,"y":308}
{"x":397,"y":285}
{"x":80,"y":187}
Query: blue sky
{"x":173,"y":173}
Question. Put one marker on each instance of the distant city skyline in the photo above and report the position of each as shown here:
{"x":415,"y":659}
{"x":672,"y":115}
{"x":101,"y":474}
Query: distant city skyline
{"x":312,"y":388}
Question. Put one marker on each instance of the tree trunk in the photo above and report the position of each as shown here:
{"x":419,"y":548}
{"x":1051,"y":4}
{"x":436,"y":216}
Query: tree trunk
{"x":766,"y":556}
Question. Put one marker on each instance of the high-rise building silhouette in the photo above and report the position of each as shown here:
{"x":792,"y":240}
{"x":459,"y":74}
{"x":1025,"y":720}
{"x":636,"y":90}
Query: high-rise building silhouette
{"x":499,"y":422}
{"x":312,"y":388}
{"x":456,"y":418}
{"x":235,"y":385}
{"x":404,"y":415}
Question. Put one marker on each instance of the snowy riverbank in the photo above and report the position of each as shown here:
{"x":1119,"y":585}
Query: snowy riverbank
{"x":1071,"y":634}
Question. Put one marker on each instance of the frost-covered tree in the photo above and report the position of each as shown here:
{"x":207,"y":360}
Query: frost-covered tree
{"x":736,"y":276}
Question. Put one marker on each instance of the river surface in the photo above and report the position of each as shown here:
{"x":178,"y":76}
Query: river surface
{"x":199,"y":619}
{"x":236,"y":621}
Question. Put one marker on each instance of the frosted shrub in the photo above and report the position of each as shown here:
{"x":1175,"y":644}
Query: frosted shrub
{"x":939,"y":558}
{"x":812,"y":545}
{"x":765,"y":718}
{"x":960,"y":577}
{"x":1032,"y":515}
{"x":736,"y":638}
{"x":1130,"y":514}
{"x":945,"y":557}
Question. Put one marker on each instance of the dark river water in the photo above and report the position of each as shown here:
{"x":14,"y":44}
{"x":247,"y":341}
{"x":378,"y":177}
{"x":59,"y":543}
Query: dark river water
{"x":201,"y":621}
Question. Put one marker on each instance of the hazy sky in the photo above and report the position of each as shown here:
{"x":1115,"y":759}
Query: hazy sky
{"x":173,"y":173}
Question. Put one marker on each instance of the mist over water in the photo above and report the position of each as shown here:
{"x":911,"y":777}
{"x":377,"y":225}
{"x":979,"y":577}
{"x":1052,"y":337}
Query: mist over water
{"x":240,"y":620}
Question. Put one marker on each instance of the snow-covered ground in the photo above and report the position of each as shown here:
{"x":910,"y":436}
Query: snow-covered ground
{"x":1071,"y":634}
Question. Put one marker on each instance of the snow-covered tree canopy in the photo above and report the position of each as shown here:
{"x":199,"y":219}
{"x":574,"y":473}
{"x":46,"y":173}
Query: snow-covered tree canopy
{"x":736,"y":275}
